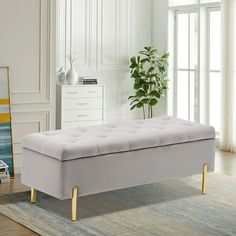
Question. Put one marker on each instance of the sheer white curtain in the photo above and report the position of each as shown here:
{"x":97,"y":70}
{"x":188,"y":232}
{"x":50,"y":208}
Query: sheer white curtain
{"x":228,"y":139}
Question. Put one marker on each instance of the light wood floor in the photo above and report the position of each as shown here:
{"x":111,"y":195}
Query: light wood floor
{"x":225,"y":164}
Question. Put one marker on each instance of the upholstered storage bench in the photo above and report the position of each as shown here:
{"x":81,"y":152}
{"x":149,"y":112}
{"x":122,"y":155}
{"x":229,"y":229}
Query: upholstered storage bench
{"x":114,"y":156}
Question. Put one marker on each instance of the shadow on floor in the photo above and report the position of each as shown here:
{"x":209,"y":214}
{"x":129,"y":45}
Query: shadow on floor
{"x":109,"y":202}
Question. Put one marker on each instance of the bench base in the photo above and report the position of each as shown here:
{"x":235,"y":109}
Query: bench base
{"x":75,"y":191}
{"x":115,"y":171}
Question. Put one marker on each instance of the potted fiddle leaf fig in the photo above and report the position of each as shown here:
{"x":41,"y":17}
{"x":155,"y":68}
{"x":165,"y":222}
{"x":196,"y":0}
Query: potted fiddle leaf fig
{"x":149,"y":72}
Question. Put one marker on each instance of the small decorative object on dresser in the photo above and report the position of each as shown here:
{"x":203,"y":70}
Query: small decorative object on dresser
{"x":79,"y":105}
{"x":71,"y":75}
{"x":61,"y":76}
{"x":88,"y":80}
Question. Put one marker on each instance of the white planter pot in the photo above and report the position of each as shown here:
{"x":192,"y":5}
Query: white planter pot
{"x":71,"y":76}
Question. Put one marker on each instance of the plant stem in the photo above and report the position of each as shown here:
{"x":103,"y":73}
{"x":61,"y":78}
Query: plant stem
{"x":148,"y":111}
{"x":144,"y":116}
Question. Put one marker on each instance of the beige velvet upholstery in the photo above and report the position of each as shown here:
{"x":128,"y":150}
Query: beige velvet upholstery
{"x":69,"y":144}
{"x":131,"y":153}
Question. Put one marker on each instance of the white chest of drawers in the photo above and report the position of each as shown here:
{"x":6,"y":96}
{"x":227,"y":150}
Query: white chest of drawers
{"x":79,"y":105}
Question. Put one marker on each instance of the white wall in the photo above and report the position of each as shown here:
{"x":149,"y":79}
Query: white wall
{"x":26,"y":46}
{"x":102,"y":35}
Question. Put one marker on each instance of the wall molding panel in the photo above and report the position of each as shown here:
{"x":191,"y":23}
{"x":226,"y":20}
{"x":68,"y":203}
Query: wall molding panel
{"x":28,"y":48}
{"x":80,"y":28}
{"x":108,"y":37}
{"x":23,"y":123}
{"x":100,"y":35}
{"x":41,"y":76}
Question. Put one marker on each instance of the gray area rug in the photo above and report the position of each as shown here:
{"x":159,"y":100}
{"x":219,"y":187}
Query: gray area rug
{"x":168,"y":208}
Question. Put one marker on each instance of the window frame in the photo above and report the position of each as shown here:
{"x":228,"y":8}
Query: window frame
{"x":203,"y":11}
{"x":175,"y":67}
{"x":208,"y":69}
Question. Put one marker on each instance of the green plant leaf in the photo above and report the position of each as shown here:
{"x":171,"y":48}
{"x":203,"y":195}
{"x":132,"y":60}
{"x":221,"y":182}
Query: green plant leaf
{"x":151,"y":69}
{"x":130,"y":97}
{"x":146,"y":87}
{"x":137,"y":86}
{"x":133,"y":60}
{"x":135,"y":100}
{"x":137,"y":80}
{"x":139,"y":105}
{"x":165,"y":55}
{"x":135,"y":74}
{"x":148,"y":48}
{"x":138,"y":59}
{"x":144,"y":53}
{"x":145,"y":101}
{"x":132,"y":108}
{"x":153,"y":102}
{"x":140,"y":93}
{"x":155,"y":93}
{"x":143,"y":73}
{"x":144,"y":60}
{"x":132,"y":66}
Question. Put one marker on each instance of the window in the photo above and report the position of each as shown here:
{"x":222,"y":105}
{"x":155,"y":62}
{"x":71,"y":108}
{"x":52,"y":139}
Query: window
{"x":186,"y":63}
{"x":195,"y":46}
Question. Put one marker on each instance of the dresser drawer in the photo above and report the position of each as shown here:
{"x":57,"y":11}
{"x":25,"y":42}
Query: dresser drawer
{"x":93,"y":92}
{"x":75,"y":124}
{"x":72,"y":92}
{"x":82,"y":103}
{"x":81,"y":115}
{"x":79,"y":105}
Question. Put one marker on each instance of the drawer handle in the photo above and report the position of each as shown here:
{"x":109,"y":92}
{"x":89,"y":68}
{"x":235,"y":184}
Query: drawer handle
{"x":92,"y":91}
{"x":82,"y":103}
{"x":82,"y":115}
{"x":72,"y":92}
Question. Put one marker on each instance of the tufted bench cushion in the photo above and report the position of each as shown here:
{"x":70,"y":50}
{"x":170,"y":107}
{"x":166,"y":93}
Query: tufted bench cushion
{"x":69,"y":144}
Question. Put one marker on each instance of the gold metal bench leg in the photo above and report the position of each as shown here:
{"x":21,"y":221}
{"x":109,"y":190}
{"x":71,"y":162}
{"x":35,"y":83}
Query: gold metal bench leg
{"x":74,"y":203}
{"x":33,"y":195}
{"x":204,"y":175}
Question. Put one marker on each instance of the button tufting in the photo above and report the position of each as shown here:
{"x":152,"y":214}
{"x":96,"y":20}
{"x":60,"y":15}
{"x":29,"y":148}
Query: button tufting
{"x":136,"y":127}
{"x":187,"y":124}
{"x":71,"y":141}
{"x":50,"y":134}
{"x":83,"y":130}
{"x":124,"y":136}
{"x":108,"y":130}
{"x":160,"y":127}
{"x":102,"y":136}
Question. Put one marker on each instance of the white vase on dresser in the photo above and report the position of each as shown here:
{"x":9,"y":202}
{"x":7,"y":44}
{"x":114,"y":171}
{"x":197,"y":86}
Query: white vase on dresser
{"x":79,"y":105}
